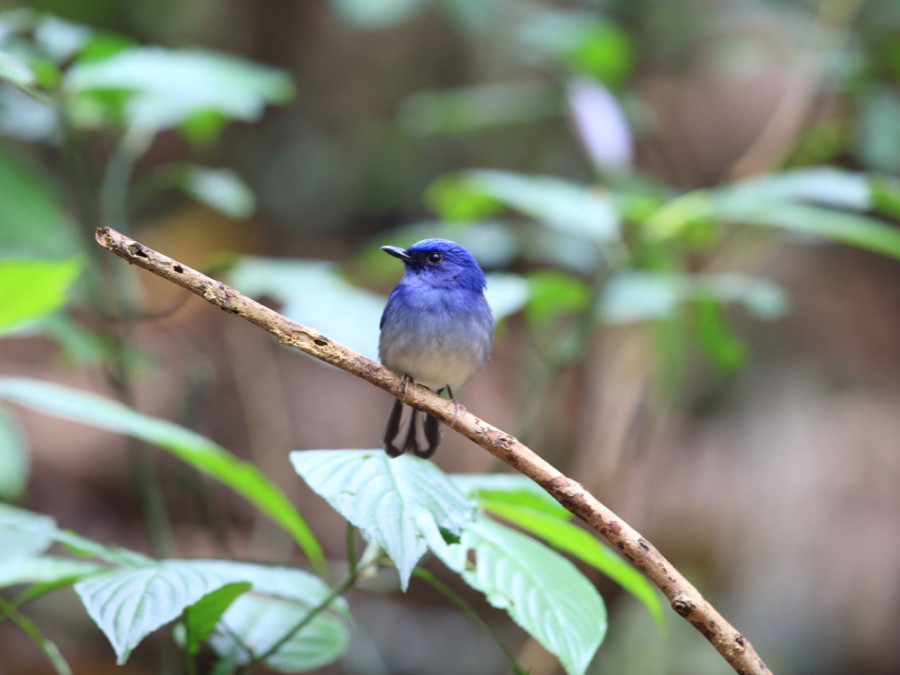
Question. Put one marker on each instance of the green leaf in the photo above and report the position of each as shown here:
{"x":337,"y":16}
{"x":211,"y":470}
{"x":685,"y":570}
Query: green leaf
{"x":283,"y":582}
{"x":454,"y":200}
{"x":31,"y":289}
{"x":16,"y":72}
{"x":542,"y":591}
{"x":509,"y":489}
{"x":200,"y":619}
{"x":34,"y":224}
{"x":23,"y":534}
{"x":582,"y":41}
{"x":220,"y":189}
{"x":560,"y":205}
{"x":13,"y":458}
{"x":392,"y":501}
{"x":877,"y":142}
{"x":885,"y":195}
{"x":725,"y":350}
{"x":312,"y":293}
{"x":44,"y":570}
{"x":169,"y":87}
{"x":824,"y":185}
{"x":190,"y":447}
{"x":552,"y":294}
{"x":642,"y":296}
{"x":506,"y":294}
{"x":280,"y":599}
{"x":581,"y":544}
{"x":846,"y":228}
{"x":128,"y":604}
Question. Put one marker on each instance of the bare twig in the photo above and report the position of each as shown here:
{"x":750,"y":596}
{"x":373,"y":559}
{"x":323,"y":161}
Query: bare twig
{"x":685,"y":599}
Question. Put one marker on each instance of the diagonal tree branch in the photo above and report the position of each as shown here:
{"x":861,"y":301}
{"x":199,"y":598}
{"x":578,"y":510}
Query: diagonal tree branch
{"x":685,"y":599}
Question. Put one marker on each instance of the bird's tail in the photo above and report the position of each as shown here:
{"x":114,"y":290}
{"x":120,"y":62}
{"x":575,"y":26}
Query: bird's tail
{"x":411,"y":430}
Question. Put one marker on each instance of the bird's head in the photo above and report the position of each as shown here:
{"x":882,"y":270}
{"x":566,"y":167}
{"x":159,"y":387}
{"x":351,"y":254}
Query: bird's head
{"x":440,"y":262}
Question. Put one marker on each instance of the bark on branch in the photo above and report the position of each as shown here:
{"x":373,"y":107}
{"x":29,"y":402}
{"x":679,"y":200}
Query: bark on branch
{"x":685,"y":599}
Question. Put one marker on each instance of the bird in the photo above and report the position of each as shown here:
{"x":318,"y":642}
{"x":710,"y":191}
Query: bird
{"x":436,"y":330}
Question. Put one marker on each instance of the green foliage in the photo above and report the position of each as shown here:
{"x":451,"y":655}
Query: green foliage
{"x":167,"y":88}
{"x":561,"y":205}
{"x":34,"y":224}
{"x":31,"y":289}
{"x":477,"y":108}
{"x":220,"y":189}
{"x":13,"y":458}
{"x":192,"y":448}
{"x":201,"y":618}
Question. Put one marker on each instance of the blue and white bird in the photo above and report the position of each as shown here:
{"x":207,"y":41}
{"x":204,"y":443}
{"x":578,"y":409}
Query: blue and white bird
{"x":436,"y":329}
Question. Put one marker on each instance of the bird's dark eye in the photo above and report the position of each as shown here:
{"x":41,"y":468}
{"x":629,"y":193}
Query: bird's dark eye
{"x":435,"y":258}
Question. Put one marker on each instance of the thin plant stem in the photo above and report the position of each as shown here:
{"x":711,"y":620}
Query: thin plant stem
{"x":457,"y":600}
{"x":48,"y":648}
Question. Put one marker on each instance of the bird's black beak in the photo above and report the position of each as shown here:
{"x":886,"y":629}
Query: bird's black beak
{"x":397,"y":252}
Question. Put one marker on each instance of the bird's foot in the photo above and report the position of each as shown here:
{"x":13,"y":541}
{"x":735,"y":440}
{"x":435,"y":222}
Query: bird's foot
{"x":406,"y":380}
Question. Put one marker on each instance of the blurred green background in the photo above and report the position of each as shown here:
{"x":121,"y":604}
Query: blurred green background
{"x":689,"y":217}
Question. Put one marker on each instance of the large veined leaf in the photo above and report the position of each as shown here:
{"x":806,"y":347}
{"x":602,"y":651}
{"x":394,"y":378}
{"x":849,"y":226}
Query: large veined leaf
{"x":280,"y":599}
{"x":30,"y":289}
{"x":395,"y":502}
{"x":542,"y":591}
{"x":130,"y":603}
{"x":170,"y":87}
{"x":581,"y":544}
{"x":190,"y":447}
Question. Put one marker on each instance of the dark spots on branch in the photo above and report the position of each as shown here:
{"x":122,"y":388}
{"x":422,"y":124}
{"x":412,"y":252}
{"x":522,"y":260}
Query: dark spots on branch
{"x":321,"y":342}
{"x":137,"y":250}
{"x":178,"y":268}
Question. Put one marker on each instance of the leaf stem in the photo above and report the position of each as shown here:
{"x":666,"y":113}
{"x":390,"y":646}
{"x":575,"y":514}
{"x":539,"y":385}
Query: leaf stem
{"x":46,"y":646}
{"x":457,"y":600}
{"x":369,"y":559}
